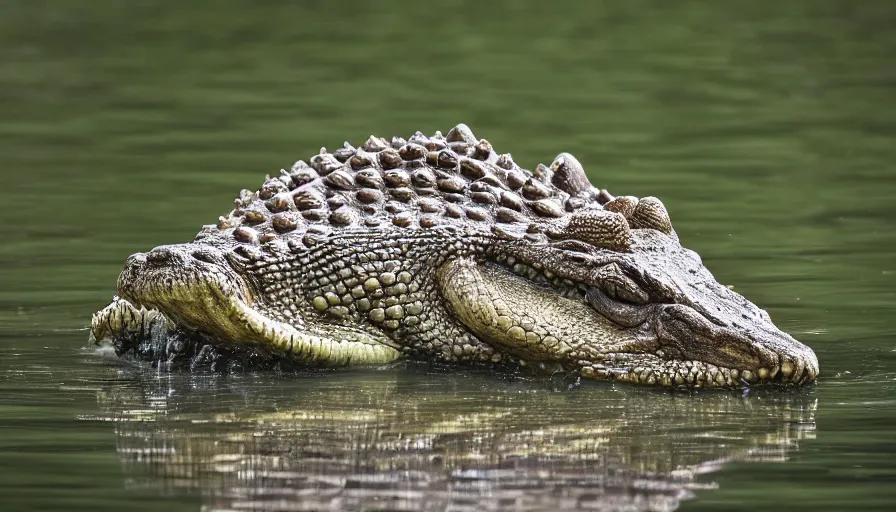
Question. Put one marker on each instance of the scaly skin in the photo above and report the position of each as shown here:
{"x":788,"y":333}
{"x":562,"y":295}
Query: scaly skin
{"x":439,"y":249}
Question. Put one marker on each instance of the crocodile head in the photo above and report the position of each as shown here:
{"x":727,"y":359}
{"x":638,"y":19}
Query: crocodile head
{"x":646,"y":312}
{"x":683,"y":327}
{"x":615,"y":294}
{"x":604,"y":289}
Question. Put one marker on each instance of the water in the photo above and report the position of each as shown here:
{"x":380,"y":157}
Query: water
{"x":766,"y":128}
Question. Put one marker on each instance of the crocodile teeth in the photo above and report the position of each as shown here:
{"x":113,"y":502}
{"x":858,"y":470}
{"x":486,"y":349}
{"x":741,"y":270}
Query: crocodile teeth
{"x":786,"y":368}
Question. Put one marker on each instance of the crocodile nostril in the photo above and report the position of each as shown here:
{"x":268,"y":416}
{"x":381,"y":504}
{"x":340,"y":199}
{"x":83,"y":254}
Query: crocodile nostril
{"x":158,"y":255}
{"x":204,"y":256}
{"x":135,"y":259}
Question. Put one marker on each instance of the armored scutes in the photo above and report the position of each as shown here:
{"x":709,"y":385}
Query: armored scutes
{"x":437,"y":248}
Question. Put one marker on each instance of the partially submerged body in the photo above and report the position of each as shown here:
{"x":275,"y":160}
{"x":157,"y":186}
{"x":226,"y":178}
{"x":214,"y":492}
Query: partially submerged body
{"x":439,"y":249}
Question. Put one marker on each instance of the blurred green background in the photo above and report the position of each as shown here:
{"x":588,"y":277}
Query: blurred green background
{"x":766,"y":127}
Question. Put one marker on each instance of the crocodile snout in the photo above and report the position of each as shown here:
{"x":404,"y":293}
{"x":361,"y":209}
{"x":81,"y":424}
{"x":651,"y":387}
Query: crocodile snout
{"x":169,"y":267}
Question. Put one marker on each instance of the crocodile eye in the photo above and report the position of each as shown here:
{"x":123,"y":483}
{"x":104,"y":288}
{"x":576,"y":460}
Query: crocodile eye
{"x":619,"y":286}
{"x":624,"y":290}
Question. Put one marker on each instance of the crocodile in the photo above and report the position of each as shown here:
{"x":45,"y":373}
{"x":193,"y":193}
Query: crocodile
{"x":440,"y":249}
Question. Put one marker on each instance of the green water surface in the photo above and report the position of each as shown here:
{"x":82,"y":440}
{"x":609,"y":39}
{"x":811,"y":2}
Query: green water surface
{"x":768,"y":128}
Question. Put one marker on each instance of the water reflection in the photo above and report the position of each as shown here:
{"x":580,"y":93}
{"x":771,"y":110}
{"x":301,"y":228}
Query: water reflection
{"x":414,"y":441}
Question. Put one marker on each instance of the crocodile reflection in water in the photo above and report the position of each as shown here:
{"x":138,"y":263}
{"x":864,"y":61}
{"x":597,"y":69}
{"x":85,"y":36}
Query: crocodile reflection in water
{"x":399,"y":441}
